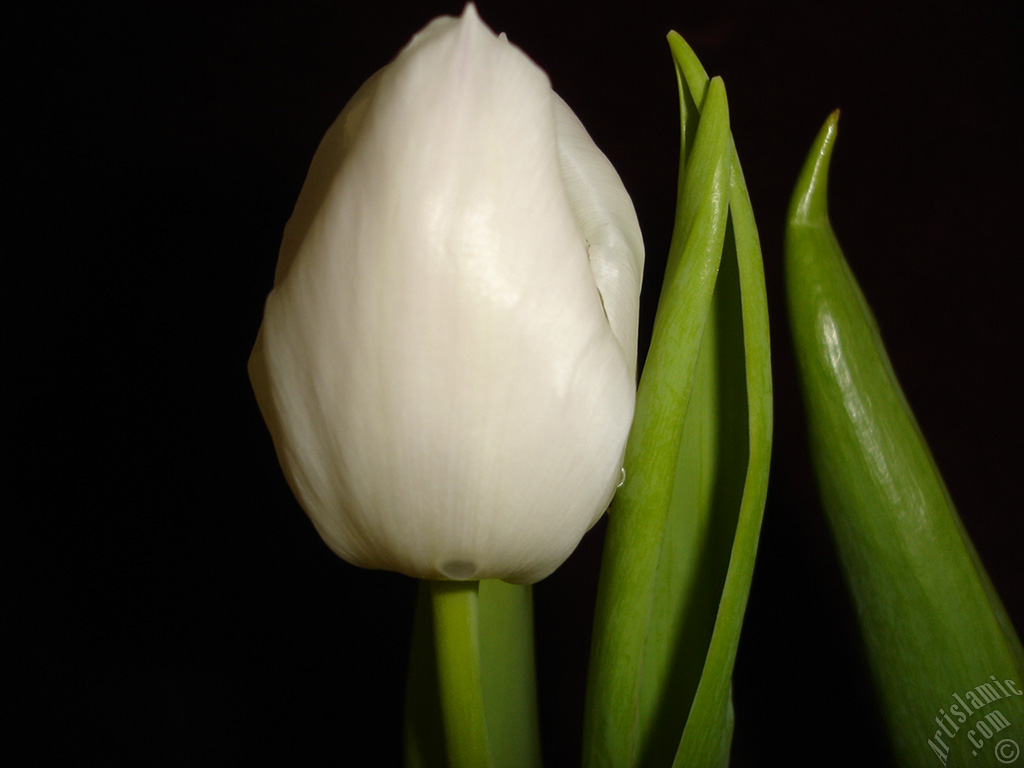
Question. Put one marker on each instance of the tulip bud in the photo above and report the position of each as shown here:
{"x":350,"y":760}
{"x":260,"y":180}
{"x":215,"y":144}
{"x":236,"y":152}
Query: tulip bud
{"x":447,"y":359}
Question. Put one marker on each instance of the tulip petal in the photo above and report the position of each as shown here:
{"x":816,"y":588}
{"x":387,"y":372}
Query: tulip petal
{"x":608,"y":221}
{"x":444,"y":389}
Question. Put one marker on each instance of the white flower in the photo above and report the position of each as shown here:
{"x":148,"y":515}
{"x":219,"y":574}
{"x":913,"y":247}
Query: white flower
{"x":447,"y":359}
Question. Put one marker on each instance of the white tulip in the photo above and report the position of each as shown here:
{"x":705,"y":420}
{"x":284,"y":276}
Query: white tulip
{"x":447,"y":359}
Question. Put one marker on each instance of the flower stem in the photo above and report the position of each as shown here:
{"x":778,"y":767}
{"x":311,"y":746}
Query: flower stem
{"x":456,"y":639}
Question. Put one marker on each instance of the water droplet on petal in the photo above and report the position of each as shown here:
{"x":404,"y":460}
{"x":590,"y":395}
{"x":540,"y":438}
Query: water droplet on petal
{"x":622,"y":482}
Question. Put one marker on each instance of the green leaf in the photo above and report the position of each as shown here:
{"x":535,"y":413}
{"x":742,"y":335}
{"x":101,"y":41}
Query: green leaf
{"x":617,"y":722}
{"x":743,"y":460}
{"x":745,"y":396}
{"x":936,"y":633}
{"x":701,"y":526}
{"x":683,"y":530}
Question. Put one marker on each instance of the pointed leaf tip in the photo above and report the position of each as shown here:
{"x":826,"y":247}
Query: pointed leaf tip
{"x":809,"y":204}
{"x":688,"y":67}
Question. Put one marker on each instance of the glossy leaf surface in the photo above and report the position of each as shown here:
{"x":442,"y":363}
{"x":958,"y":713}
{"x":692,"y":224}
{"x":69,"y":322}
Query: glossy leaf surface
{"x":936,"y":633}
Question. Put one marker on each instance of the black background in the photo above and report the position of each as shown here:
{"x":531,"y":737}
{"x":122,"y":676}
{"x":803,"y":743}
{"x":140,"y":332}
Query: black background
{"x":176,"y":606}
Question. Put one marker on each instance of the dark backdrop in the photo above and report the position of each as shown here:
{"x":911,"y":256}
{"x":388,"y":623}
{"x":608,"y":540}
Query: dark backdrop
{"x":176,"y":606}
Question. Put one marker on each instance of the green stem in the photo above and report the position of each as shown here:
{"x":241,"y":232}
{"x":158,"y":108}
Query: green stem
{"x":456,"y":639}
